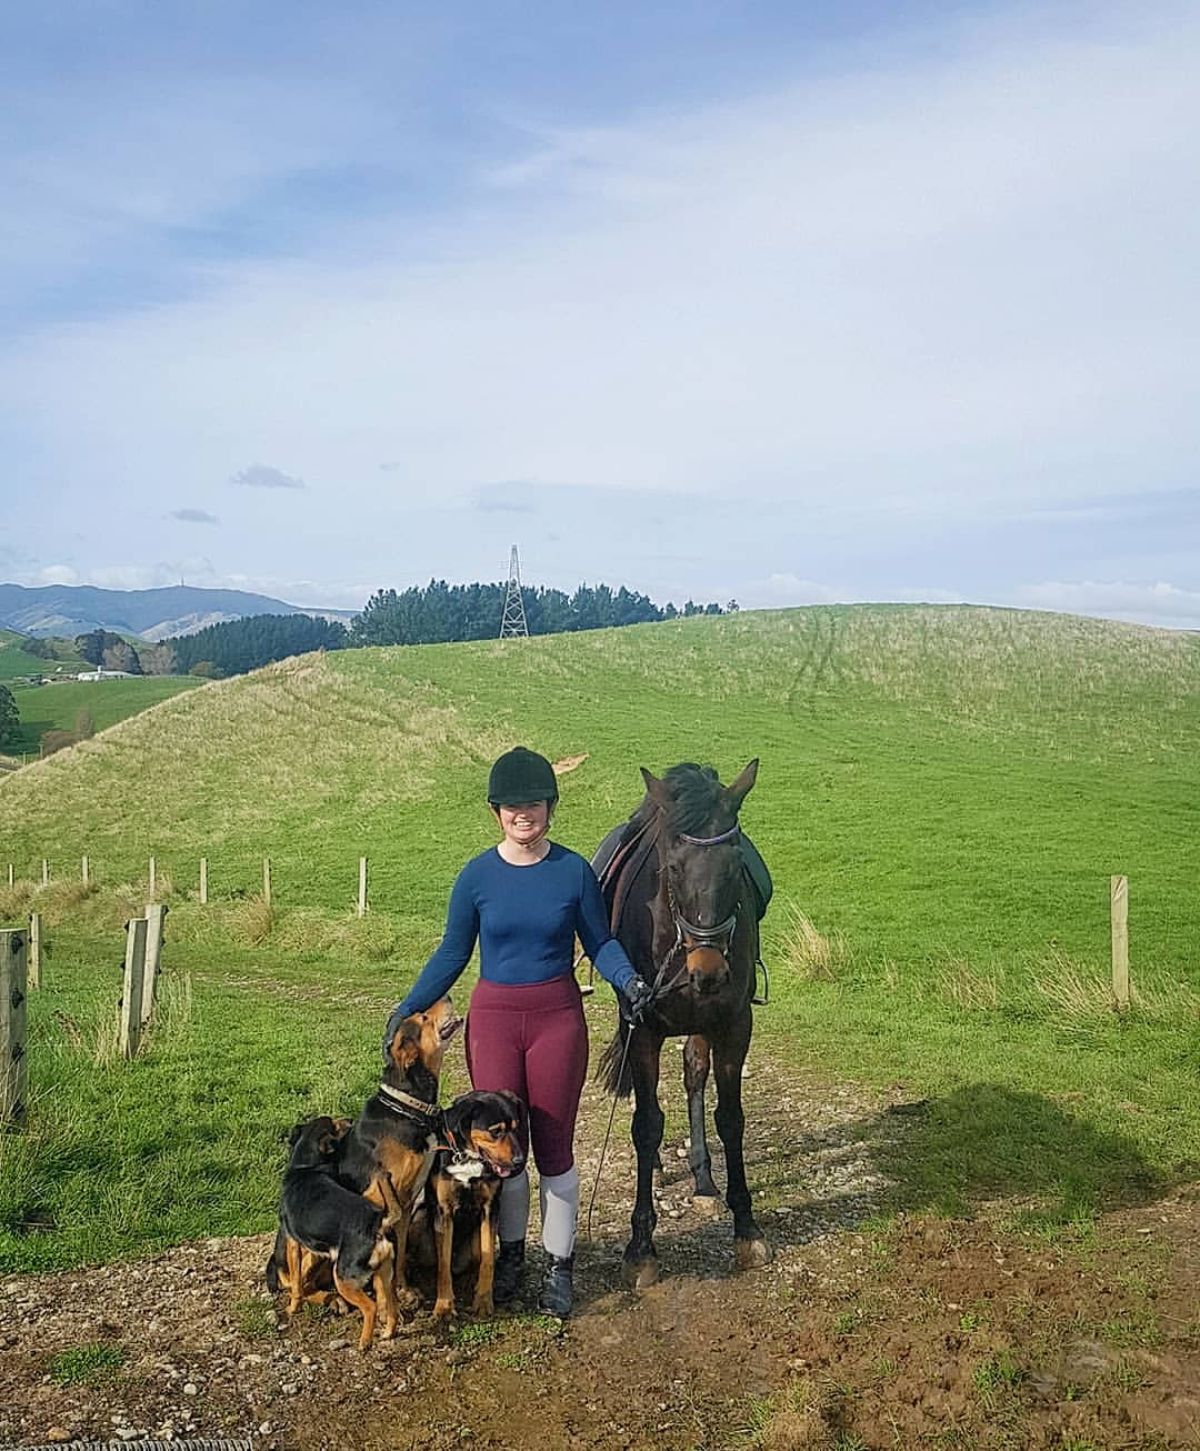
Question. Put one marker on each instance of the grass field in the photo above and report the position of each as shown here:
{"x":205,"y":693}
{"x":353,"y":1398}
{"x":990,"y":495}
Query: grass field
{"x":16,"y":662}
{"x":943,"y":795}
{"x":56,"y":707}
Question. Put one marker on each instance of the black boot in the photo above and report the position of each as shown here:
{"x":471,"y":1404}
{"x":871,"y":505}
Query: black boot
{"x":556,"y":1297}
{"x":510,"y":1271}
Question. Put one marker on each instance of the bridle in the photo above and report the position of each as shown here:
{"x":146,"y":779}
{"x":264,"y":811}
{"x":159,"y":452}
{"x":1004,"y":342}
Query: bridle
{"x":722,"y":933}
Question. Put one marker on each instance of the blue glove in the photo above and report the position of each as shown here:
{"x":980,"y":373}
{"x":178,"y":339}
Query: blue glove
{"x":638,"y":997}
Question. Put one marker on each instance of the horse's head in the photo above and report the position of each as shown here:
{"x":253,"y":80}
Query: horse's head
{"x":698,"y":848}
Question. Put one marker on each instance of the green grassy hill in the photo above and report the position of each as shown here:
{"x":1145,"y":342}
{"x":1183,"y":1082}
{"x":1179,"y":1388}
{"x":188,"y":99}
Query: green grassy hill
{"x":956,"y":779}
{"x":15,"y":662}
{"x":943,"y":795}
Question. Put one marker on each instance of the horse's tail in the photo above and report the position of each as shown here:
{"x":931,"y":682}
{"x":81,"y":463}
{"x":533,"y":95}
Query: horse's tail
{"x":614,"y":1071}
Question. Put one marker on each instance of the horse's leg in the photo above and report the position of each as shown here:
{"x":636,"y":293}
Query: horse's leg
{"x":641,"y":1261}
{"x":695,"y":1077}
{"x":729,"y":1052}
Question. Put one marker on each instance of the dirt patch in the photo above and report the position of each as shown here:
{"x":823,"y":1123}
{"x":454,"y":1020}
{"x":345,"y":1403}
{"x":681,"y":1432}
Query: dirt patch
{"x":918,"y":1332}
{"x":568,"y":763}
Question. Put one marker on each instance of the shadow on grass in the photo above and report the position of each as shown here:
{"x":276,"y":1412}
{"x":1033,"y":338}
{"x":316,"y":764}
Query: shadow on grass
{"x":986,"y":1141}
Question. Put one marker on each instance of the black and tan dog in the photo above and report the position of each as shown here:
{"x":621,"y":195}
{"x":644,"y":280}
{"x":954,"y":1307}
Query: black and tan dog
{"x":317,"y":1285}
{"x":481,"y":1147}
{"x":319,"y":1219}
{"x":388,"y":1152}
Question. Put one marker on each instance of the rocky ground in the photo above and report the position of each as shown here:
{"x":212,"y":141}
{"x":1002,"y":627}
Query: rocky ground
{"x":916,"y":1332}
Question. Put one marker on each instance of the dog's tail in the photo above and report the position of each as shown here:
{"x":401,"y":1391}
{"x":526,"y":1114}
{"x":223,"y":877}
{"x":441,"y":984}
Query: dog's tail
{"x":614,"y":1071}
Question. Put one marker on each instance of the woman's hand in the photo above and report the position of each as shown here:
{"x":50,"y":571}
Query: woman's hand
{"x":638,"y":997}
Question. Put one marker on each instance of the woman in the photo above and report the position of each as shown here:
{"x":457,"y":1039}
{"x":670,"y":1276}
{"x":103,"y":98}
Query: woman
{"x":524,"y":901}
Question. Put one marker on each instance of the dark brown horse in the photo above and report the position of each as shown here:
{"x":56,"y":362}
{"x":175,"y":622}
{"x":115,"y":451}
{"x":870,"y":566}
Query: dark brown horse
{"x":686,"y":918}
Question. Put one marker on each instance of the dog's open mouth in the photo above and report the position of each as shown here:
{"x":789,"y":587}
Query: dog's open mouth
{"x":501,"y":1171}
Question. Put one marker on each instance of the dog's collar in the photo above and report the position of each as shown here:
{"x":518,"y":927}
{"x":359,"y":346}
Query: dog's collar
{"x":405,"y":1103}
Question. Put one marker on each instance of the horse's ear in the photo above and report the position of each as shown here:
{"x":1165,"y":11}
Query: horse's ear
{"x":655,"y":788}
{"x":737,"y":791}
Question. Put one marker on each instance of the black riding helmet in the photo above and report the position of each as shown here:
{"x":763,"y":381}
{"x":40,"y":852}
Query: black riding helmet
{"x":521,"y":775}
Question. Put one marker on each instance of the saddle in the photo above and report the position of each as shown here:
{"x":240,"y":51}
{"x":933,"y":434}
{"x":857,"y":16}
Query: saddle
{"x":623,"y":853}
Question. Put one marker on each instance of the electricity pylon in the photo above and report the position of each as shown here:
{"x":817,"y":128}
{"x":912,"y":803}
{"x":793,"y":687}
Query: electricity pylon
{"x":513,"y":623}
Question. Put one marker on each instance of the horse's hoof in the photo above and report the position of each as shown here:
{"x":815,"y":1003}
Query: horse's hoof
{"x":639,"y":1274}
{"x":749,"y":1254}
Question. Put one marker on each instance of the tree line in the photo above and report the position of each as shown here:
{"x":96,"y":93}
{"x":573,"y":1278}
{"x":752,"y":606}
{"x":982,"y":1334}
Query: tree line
{"x":441,"y":612}
{"x":433,"y":614}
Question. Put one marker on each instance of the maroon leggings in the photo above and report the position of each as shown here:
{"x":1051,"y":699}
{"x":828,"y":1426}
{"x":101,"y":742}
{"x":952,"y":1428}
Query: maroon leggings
{"x":531,"y":1038}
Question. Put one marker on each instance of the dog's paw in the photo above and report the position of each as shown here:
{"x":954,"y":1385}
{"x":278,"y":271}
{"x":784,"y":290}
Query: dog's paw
{"x":482,"y":1305}
{"x":444,"y":1310}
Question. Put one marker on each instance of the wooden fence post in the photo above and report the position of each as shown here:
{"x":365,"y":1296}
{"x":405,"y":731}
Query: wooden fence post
{"x":362,"y":886}
{"x":12,"y":1027}
{"x":204,"y":881}
{"x":45,"y":872}
{"x":35,"y":950}
{"x":85,"y":872}
{"x":155,"y":913}
{"x":1119,"y":913}
{"x":11,"y":878}
{"x":267,"y":880}
{"x":153,"y":878}
{"x":131,"y":996}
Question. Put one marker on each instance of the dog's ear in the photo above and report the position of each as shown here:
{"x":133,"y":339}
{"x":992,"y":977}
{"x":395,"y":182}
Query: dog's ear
{"x":293,"y":1137}
{"x":516,"y":1104}
{"x":458,"y":1114}
{"x":406,"y":1046}
{"x":341,"y":1127}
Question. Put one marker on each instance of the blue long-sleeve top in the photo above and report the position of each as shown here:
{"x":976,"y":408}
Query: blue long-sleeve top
{"x":525,"y":920}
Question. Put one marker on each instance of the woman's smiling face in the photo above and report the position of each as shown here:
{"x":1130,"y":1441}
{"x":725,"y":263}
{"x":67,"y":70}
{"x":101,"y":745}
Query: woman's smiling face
{"x":524,"y":825}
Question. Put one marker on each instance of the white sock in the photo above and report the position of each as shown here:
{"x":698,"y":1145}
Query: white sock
{"x":514,"y":1207}
{"x":559,"y":1194}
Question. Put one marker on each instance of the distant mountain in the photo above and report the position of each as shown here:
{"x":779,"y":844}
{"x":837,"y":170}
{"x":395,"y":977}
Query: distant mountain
{"x":153,"y":614}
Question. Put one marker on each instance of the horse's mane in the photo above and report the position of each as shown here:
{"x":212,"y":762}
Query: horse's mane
{"x":695,"y":795}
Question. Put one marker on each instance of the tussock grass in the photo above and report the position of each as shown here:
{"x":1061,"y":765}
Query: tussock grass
{"x":966,"y":986}
{"x":808,"y":953}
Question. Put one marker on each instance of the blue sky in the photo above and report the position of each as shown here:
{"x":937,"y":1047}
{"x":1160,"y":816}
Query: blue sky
{"x":782,"y":302}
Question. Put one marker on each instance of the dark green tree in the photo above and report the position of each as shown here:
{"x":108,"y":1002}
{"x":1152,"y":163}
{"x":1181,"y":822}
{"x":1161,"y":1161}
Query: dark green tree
{"x":240,"y":645}
{"x":10,"y":718}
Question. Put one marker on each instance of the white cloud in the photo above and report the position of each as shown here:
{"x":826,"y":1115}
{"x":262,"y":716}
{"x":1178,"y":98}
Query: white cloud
{"x":194,"y":516}
{"x":56,"y":574}
{"x":780,"y":590}
{"x":1148,"y":604}
{"x":262,"y":476}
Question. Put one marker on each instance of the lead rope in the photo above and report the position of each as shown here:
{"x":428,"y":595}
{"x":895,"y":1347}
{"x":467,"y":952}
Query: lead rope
{"x":656,"y":990}
{"x":607,"y":1135}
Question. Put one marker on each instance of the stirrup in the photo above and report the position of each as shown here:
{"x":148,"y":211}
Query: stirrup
{"x":757,"y":1000}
